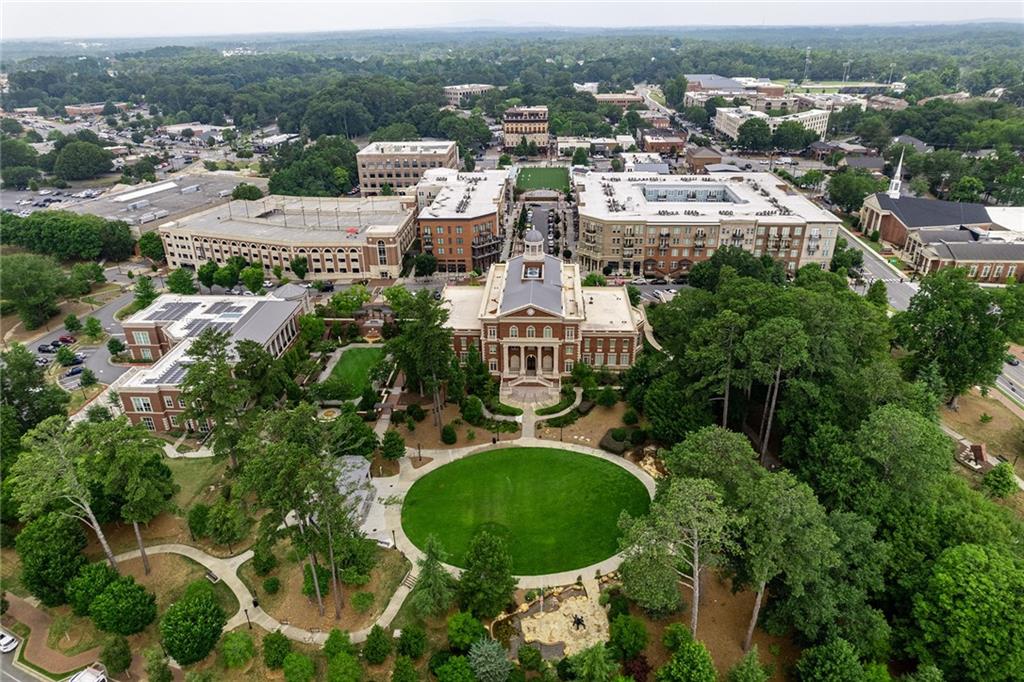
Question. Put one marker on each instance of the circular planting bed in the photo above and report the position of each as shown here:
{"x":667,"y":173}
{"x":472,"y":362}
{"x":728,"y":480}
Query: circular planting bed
{"x":556,"y":510}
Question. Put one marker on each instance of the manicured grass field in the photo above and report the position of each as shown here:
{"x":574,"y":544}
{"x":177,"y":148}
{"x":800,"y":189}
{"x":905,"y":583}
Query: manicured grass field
{"x":543,"y":178}
{"x":354,"y":368}
{"x":556,"y":510}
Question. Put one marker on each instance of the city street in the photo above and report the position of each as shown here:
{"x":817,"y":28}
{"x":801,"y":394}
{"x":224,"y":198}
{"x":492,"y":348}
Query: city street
{"x":900,"y":291}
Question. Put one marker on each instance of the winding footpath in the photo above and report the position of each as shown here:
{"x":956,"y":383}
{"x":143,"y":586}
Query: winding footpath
{"x":383,"y":523}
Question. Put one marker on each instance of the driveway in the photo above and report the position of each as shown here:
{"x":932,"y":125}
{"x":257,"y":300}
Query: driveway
{"x":97,"y":357}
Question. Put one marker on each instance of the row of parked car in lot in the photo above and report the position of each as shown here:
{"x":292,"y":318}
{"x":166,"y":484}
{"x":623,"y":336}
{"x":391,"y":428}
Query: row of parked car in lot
{"x":73,"y":365}
{"x":93,"y":673}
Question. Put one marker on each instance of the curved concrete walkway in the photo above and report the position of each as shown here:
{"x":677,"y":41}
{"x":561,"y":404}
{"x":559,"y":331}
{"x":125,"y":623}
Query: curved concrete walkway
{"x":396,"y":487}
{"x":227,"y":571}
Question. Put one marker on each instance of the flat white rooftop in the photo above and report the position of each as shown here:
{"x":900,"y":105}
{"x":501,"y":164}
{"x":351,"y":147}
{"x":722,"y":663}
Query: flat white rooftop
{"x":464,"y":306}
{"x":608,"y":310}
{"x":695,"y":200}
{"x":463,"y":195}
{"x":326,"y":220}
{"x":419,"y":147}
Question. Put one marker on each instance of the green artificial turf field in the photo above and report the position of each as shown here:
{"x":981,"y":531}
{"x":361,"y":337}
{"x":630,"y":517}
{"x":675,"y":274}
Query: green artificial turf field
{"x":543,"y":178}
{"x":556,"y":510}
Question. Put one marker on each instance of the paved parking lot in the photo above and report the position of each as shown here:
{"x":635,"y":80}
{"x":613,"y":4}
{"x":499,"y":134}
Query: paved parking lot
{"x":128,"y":205}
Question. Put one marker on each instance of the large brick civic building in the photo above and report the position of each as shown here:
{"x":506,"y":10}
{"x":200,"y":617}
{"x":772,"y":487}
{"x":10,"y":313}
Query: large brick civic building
{"x":533,"y":320}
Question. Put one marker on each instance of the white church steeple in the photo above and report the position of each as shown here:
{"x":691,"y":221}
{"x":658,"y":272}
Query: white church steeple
{"x":897,"y":180}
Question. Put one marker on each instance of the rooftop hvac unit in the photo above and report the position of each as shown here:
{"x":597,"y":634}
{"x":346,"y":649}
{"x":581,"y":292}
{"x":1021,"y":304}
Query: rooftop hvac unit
{"x":190,"y":189}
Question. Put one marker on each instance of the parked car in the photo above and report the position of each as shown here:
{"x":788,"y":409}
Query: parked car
{"x":74,"y":371}
{"x":267,"y":284}
{"x":94,"y":673}
{"x":42,"y":362}
{"x":67,"y":338}
{"x":56,"y":343}
{"x":46,"y":348}
{"x":1012,"y":360}
{"x":659,"y":280}
{"x":8,"y":642}
{"x":327,"y":286}
{"x":638,"y":280}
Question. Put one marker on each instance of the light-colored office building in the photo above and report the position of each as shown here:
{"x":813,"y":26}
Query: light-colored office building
{"x":623,"y":100}
{"x":461,"y":217}
{"x":342,"y":239}
{"x":660,"y":225}
{"x":533,"y":320}
{"x":455,"y":95}
{"x":525,"y":123}
{"x":400,"y":165}
{"x":728,"y":120}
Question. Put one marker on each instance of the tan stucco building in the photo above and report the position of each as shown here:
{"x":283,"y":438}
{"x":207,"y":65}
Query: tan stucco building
{"x":525,"y":123}
{"x":400,"y":165}
{"x":342,"y":239}
{"x":660,"y":225}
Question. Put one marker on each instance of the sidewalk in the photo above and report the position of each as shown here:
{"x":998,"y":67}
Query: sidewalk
{"x":35,"y":649}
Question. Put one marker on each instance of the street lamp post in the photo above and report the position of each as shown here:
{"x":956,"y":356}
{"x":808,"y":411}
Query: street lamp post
{"x":248,"y":622}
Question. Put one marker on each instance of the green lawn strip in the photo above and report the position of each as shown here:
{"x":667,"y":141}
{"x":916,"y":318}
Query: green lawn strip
{"x":543,"y":178}
{"x":25,"y":632}
{"x":556,"y":510}
{"x":193,"y":476}
{"x":354,"y":366}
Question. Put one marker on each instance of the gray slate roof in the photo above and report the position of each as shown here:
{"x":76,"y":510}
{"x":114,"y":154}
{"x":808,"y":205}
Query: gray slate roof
{"x":980,"y":251}
{"x":946,"y":235}
{"x":918,"y":145}
{"x":916,"y":212}
{"x":871,"y":162}
{"x":545,"y":293}
{"x":712,"y":81}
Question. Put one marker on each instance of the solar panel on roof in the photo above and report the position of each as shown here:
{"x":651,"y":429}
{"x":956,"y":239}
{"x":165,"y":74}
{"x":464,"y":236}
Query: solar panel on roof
{"x":219,"y":307}
{"x":172,"y":311}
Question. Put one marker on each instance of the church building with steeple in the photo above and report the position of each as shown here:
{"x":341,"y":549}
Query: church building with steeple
{"x":532,"y":321}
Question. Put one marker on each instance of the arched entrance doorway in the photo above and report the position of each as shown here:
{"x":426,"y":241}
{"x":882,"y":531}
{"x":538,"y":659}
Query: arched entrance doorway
{"x":531,"y":364}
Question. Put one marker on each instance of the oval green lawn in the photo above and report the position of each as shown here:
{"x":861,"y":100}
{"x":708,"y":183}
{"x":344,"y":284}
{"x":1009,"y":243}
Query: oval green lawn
{"x":556,"y":510}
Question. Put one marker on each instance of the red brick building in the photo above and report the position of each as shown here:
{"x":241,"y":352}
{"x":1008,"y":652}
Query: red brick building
{"x":533,"y":320}
{"x":163,"y":332}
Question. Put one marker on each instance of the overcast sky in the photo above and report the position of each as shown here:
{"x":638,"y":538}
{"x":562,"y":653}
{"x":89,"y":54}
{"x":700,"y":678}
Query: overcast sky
{"x":137,"y":18}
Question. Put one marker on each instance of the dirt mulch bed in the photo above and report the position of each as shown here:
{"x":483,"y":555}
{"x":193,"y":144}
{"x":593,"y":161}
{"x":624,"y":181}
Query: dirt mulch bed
{"x":1001,"y":435}
{"x":291,"y":606}
{"x":418,"y":462}
{"x":428,"y":436}
{"x":723,"y":623}
{"x":381,"y":467}
{"x":587,"y":430}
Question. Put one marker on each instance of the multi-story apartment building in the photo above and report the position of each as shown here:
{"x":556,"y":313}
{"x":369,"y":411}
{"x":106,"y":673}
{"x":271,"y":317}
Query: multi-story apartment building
{"x":343,"y":239}
{"x":461,"y":217}
{"x":660,"y":225}
{"x":533,"y":320}
{"x":400,"y":165}
{"x":525,"y":123}
{"x":728,"y":120}
{"x":455,"y":95}
{"x":163,"y":332}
